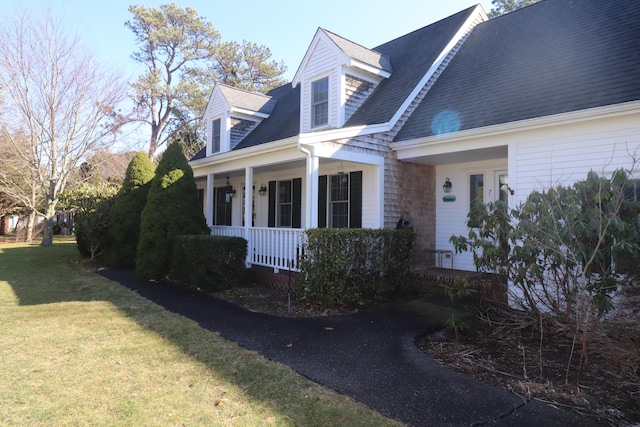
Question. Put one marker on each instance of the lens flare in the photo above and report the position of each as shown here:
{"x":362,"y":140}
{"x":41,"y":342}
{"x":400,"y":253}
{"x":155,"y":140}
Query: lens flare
{"x":445,"y":121}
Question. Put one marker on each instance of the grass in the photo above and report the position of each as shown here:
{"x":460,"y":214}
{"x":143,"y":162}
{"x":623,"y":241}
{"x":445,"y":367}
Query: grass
{"x":78,"y":349}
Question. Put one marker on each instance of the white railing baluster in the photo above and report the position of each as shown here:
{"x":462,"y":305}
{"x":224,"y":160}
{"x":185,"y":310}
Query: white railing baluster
{"x":277,"y":248}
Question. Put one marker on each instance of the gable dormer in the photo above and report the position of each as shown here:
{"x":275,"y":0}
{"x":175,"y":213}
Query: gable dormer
{"x":232,"y":114}
{"x":336,"y":76}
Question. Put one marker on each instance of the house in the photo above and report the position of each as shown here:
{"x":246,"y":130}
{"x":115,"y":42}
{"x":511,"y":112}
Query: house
{"x":420,"y":127}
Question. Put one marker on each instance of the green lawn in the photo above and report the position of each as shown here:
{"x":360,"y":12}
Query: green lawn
{"x":77,"y":349}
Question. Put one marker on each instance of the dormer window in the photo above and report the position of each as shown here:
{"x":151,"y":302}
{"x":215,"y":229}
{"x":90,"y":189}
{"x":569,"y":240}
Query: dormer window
{"x":215,"y":136}
{"x":320,"y":102}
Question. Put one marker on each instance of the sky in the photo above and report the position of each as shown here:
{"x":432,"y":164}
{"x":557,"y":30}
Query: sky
{"x":285,"y":27}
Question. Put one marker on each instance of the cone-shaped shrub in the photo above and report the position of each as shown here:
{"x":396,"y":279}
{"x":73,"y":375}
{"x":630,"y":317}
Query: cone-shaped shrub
{"x":124,"y":226}
{"x":172,"y":209}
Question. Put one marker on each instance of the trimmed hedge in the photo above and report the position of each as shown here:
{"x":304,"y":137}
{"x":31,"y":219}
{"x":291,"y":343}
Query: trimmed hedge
{"x":346,"y":266}
{"x":213,"y":263}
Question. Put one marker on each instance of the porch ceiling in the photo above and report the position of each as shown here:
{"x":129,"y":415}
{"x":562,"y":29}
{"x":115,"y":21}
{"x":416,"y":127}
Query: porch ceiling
{"x":445,"y":158}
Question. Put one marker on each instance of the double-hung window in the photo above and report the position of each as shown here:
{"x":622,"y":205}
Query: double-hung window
{"x":339,"y":201}
{"x":284,"y":206}
{"x":285,"y":203}
{"x":215,"y":136}
{"x":320,"y":102}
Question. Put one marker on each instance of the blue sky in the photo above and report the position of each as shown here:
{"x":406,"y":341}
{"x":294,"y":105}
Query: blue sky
{"x":286,"y":27}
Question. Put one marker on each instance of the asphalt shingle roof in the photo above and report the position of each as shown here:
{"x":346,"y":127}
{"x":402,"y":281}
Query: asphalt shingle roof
{"x":553,"y":57}
{"x":284,"y":121}
{"x":411,"y":57}
{"x":248,"y":100}
{"x":362,"y":54}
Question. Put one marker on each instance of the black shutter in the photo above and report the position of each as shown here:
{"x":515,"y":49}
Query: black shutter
{"x":296,"y":203}
{"x":271,"y":221}
{"x":355,"y":199}
{"x":322,"y":201}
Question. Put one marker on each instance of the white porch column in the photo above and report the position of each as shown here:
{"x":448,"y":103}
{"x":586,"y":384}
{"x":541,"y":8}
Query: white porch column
{"x":311,"y":214}
{"x":248,"y":211}
{"x":208,"y":200}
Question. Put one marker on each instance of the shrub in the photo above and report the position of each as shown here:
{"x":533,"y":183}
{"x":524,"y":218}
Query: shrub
{"x":212,"y":263}
{"x":347,"y":266}
{"x":124,"y":224}
{"x":561,"y":251}
{"x":91,"y":205}
{"x":172,"y":208}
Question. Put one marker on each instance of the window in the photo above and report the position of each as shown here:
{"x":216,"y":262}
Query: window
{"x":476,"y":195}
{"x":215,"y":136}
{"x":320,"y":102}
{"x":284,"y":212}
{"x":285,"y":203}
{"x":339,"y":201}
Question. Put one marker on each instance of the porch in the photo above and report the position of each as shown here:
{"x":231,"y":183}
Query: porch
{"x":276,"y":248}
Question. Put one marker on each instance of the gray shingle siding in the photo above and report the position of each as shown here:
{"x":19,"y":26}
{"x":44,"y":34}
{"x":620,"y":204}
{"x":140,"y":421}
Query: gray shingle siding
{"x":357,"y":90}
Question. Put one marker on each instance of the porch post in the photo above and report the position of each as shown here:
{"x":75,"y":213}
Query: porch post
{"x":311,"y":214}
{"x":208,"y":200}
{"x":248,"y":212}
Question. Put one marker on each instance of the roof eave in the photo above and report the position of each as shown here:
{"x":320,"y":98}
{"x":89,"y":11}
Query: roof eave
{"x":403,"y":148}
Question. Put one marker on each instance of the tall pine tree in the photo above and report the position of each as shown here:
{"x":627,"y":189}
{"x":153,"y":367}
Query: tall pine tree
{"x":172,"y":209}
{"x":124,"y":226}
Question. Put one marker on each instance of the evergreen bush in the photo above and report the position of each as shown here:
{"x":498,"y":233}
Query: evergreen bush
{"x":124,"y":224}
{"x":347,"y":266}
{"x":172,"y":208}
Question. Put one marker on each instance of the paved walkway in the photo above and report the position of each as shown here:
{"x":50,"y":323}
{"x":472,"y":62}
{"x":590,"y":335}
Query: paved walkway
{"x":370,"y":357}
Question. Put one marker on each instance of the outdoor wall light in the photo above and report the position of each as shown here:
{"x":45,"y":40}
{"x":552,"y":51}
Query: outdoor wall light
{"x":262,"y":190}
{"x":230,"y":192}
{"x":446,"y":187}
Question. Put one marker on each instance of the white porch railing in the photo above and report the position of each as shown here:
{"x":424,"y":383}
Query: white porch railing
{"x":277,"y":248}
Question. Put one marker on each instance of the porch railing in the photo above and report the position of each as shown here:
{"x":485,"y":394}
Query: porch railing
{"x":277,"y":248}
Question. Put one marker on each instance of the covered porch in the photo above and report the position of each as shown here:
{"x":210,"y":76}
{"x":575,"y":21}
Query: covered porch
{"x":299,"y":188}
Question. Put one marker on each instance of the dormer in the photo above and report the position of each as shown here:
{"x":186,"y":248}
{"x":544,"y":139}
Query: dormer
{"x":232,"y":114}
{"x":336,"y":76}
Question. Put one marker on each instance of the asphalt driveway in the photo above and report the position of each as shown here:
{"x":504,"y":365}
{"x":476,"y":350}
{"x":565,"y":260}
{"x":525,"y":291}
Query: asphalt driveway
{"x":370,"y":357}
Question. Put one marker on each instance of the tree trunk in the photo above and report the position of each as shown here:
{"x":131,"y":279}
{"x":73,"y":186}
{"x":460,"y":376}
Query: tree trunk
{"x":154,"y":142}
{"x":31,"y":221}
{"x":47,"y":236}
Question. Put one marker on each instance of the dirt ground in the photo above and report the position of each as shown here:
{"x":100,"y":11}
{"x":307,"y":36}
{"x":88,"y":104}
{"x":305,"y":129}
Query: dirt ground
{"x":511,"y":357}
